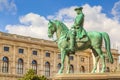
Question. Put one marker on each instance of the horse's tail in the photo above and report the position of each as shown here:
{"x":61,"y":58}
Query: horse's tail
{"x":107,"y":46}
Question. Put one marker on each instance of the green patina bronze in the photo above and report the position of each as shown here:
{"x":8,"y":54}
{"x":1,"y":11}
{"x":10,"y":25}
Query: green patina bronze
{"x":77,"y":39}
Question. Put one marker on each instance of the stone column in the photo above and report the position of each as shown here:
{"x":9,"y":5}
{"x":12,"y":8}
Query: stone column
{"x":39,"y":62}
{"x":14,"y":60}
{"x":88,"y":64}
{"x":42,"y":62}
{"x":54,"y":63}
{"x":28,"y":55}
{"x":77,"y":63}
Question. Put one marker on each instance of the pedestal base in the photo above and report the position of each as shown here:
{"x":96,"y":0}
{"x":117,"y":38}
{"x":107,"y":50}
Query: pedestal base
{"x":89,"y":76}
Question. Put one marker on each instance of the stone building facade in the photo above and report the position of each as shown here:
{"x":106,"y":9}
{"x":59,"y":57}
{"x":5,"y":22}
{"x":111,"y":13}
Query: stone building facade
{"x":18,"y":54}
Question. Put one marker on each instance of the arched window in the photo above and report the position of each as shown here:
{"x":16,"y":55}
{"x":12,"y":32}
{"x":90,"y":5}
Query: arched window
{"x":107,"y":69}
{"x":20,"y":66}
{"x":34,"y":66}
{"x":5,"y":65}
{"x":59,"y":66}
{"x":71,"y":69}
{"x":47,"y":69}
{"x":82,"y":69}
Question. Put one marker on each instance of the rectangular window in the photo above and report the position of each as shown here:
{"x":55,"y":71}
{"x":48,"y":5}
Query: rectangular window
{"x":21,"y":51}
{"x":47,"y":54}
{"x":107,"y":60}
{"x":71,"y":58}
{"x":34,"y":52}
{"x":82,"y":59}
{"x":6,"y":48}
{"x":59,"y":56}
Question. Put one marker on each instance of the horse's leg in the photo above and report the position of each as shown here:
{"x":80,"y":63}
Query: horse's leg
{"x":96,"y":60}
{"x":95,"y":65}
{"x":99,"y":51}
{"x":63,"y":54}
{"x":68,"y":64}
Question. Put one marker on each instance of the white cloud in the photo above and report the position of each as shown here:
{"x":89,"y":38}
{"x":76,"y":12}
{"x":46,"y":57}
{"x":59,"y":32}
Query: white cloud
{"x":66,"y":15}
{"x":32,"y":25}
{"x":36,"y":26}
{"x":8,"y":5}
{"x":116,"y":11}
{"x":98,"y":21}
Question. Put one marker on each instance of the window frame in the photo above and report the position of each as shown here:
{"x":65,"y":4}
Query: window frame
{"x":47,"y":69}
{"x":34,"y":51}
{"x":5,"y":65}
{"x":47,"y":54}
{"x":34,"y":66}
{"x":6,"y":47}
{"x":82,"y":59}
{"x":20,"y":66}
{"x":71,"y":58}
{"x":71,"y":68}
{"x":20,"y":49}
{"x":59,"y":56}
{"x":58,"y":66}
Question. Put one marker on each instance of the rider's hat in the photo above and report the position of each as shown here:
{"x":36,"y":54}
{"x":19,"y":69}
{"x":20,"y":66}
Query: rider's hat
{"x":79,"y":8}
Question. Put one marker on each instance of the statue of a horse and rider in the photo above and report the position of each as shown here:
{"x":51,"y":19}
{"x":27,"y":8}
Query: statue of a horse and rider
{"x":77,"y":39}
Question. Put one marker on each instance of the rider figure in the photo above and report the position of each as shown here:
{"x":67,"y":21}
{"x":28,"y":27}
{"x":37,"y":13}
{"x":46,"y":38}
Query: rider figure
{"x":78,"y":33}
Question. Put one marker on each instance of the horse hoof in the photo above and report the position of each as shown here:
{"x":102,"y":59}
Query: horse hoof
{"x":59,"y":73}
{"x":92,"y":71}
{"x":102,"y":71}
{"x":67,"y":72}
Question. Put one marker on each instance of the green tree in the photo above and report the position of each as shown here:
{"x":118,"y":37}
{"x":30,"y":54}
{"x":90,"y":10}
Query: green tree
{"x":30,"y":75}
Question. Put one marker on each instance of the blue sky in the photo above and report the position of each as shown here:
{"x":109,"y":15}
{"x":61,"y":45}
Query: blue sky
{"x":30,"y":17}
{"x":48,"y":7}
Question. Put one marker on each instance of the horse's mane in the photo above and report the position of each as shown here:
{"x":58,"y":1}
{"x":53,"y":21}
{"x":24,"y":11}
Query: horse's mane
{"x":62,"y":25}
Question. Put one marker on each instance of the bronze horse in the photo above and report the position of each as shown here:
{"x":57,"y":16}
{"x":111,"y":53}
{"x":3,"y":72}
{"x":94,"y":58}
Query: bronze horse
{"x":94,"y":43}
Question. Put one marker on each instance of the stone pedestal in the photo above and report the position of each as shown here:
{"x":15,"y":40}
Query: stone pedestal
{"x":89,"y":76}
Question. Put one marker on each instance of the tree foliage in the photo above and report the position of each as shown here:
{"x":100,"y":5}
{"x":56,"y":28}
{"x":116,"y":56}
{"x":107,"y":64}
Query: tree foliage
{"x":30,"y":75}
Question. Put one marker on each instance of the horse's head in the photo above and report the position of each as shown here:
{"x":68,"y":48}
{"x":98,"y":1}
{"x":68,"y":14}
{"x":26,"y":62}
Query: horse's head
{"x":58,"y":27}
{"x":51,"y":28}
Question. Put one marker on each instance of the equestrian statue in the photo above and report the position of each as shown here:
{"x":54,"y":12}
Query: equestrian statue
{"x":77,"y":39}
